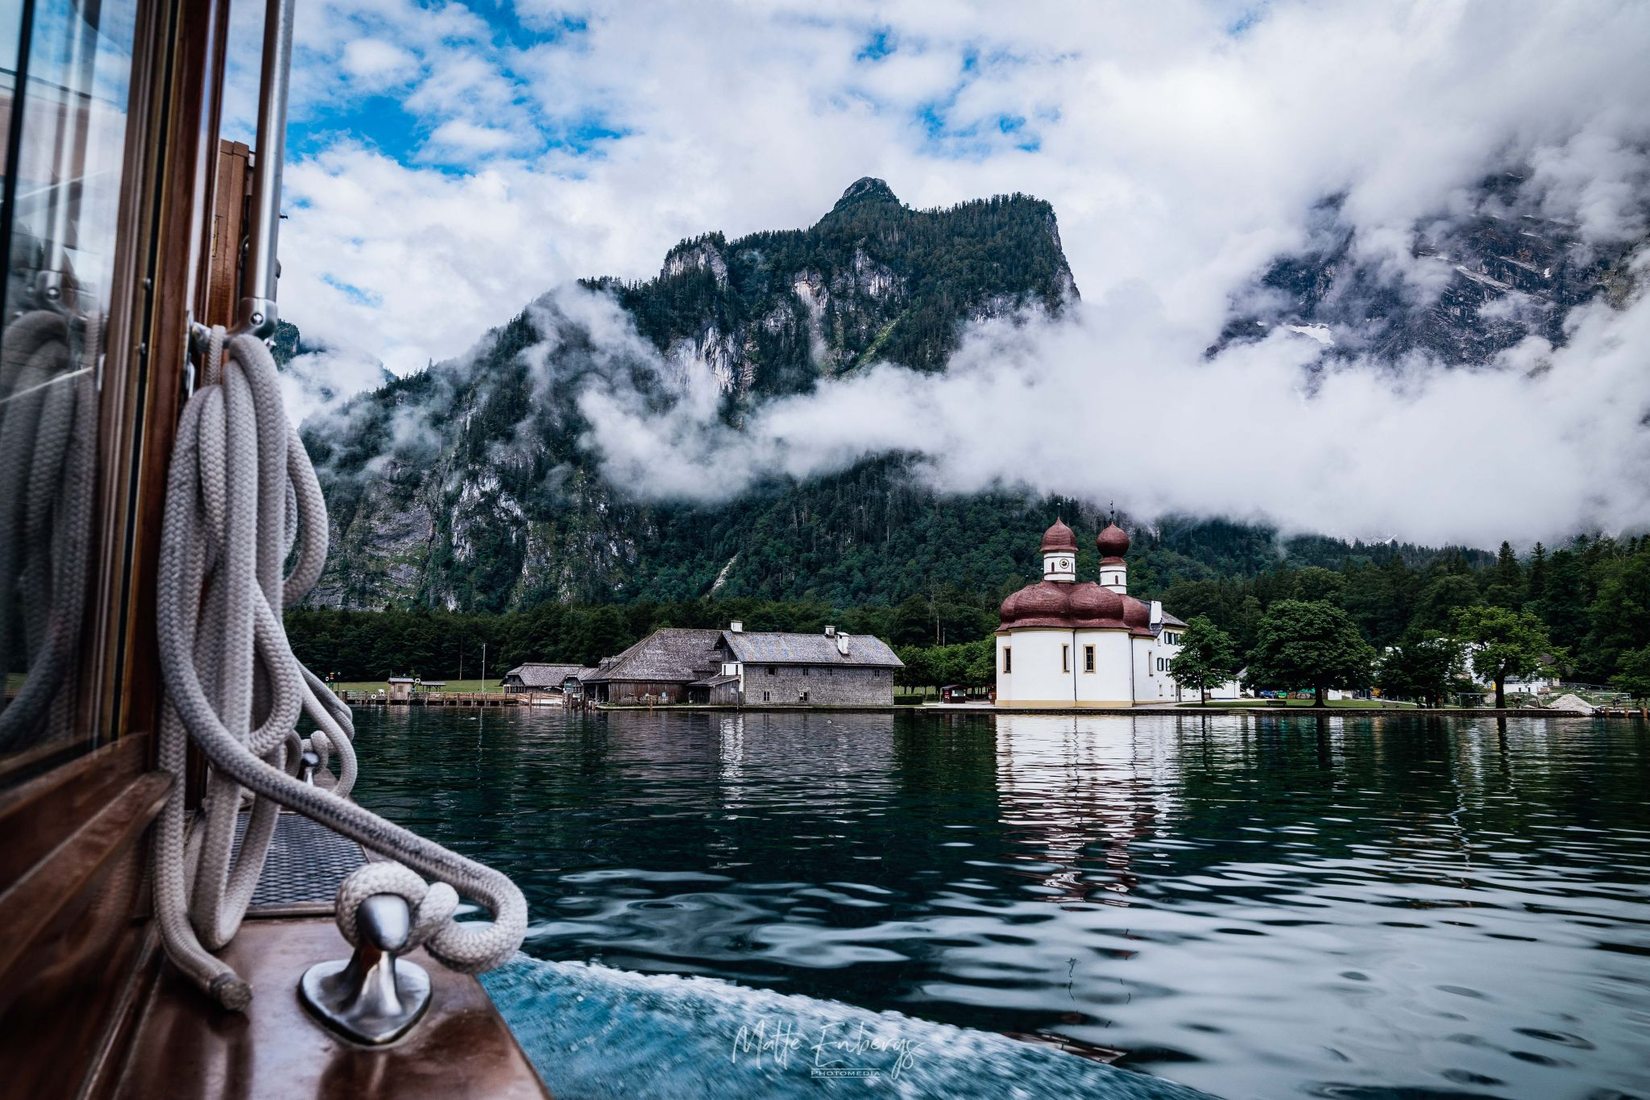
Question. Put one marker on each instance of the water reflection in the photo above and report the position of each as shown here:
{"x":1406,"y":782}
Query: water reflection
{"x":1266,"y":906}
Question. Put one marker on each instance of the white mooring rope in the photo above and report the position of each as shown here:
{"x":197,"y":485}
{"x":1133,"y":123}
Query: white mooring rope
{"x":241,"y":497}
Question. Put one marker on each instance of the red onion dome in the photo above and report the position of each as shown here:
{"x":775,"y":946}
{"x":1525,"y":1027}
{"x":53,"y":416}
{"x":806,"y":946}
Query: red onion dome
{"x":1113,"y":542}
{"x":1059,"y":537}
{"x":1085,"y":605}
{"x":1042,"y":601}
{"x":1091,"y":603}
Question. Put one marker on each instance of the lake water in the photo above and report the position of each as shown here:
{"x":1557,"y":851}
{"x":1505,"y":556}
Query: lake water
{"x":1267,"y":906}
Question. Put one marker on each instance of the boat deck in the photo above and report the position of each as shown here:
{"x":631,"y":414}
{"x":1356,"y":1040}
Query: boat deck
{"x":186,"y":1047}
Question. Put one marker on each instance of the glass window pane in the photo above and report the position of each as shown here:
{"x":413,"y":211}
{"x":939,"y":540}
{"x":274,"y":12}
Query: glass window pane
{"x":63,"y":98}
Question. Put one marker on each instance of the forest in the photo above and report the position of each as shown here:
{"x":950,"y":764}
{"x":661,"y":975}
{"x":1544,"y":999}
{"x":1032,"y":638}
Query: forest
{"x":1592,"y":594}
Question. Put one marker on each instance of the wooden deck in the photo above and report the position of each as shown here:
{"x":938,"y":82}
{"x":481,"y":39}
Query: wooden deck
{"x":454,"y":699}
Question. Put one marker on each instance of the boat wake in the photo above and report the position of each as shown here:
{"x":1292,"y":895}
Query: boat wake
{"x":594,"y":1032}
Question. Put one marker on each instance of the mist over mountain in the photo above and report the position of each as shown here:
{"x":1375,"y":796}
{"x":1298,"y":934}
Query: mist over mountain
{"x":1463,"y":288}
{"x":894,"y":400}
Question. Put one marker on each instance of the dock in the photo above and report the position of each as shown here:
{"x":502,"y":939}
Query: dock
{"x":453,"y":699}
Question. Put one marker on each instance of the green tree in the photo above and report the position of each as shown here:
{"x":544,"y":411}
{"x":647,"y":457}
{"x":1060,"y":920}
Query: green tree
{"x":1507,"y":586}
{"x":1620,"y":612}
{"x":1315,"y":583}
{"x":1634,"y":677}
{"x":1206,"y":659}
{"x":1313,"y":643}
{"x":1442,"y":598}
{"x":1421,"y":667}
{"x":1504,"y":644}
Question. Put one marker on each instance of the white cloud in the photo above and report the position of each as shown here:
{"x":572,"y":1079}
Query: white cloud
{"x":458,"y":138}
{"x":374,"y":64}
{"x":1179,"y":157}
{"x":1116,"y":403}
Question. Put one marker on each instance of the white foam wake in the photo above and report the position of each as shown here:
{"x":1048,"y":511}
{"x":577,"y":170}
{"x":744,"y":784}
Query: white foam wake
{"x":594,"y":1032}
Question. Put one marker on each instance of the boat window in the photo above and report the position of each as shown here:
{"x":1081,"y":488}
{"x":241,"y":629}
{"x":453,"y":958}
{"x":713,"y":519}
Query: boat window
{"x":65,"y":66}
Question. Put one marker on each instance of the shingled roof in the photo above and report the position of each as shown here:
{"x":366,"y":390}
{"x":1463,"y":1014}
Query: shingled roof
{"x":673,"y":654}
{"x":535,"y":674}
{"x":864,"y":651}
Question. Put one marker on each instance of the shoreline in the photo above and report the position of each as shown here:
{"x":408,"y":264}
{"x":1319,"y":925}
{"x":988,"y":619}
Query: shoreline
{"x":1192,"y":711}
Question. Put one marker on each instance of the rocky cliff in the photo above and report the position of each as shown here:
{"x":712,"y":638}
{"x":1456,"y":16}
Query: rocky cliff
{"x":470,"y":485}
{"x":1469,"y":286}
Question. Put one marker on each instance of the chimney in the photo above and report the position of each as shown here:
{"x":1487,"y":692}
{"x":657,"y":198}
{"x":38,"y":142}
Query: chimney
{"x":1157,"y":612}
{"x":830,"y":631}
{"x":842,"y":644}
{"x":736,"y":627}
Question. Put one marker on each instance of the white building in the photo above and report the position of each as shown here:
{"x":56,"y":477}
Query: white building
{"x":1069,"y":643}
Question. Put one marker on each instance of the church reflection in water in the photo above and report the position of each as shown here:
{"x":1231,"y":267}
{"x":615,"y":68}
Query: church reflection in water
{"x":1076,"y":792}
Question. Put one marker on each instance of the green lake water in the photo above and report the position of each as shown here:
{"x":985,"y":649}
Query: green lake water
{"x":1265,"y":906}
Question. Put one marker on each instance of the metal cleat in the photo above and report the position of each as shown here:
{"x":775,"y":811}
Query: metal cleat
{"x":371,"y":997}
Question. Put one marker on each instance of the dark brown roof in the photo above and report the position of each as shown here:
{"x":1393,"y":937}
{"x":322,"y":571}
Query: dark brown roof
{"x":538,"y":674}
{"x":776,"y":648}
{"x":672,"y":654}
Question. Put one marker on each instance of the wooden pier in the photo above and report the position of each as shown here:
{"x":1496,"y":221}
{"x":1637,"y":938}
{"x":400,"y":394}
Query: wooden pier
{"x":453,"y":699}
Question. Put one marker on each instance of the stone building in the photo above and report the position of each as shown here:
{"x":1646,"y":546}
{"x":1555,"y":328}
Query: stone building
{"x":734,"y":667}
{"x":831,"y":669}
{"x":1069,"y":643}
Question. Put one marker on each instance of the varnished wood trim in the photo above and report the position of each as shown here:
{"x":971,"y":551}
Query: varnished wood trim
{"x":172,"y":158}
{"x":34,"y":901}
{"x":222,"y":291}
{"x":126,"y":1014}
{"x":38,"y":816}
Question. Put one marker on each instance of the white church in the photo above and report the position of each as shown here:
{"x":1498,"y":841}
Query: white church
{"x":1069,"y":643}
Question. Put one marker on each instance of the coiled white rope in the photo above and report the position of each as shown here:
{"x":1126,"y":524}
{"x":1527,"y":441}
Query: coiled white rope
{"x":241,"y":499}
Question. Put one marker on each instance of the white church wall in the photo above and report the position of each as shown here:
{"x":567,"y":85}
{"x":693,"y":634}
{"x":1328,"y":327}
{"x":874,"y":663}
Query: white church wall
{"x":1042,"y":671}
{"x":1109,"y":683}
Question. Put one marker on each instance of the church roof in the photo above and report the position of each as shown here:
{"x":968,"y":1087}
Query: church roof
{"x":1058,"y":538}
{"x":1080,"y":606}
{"x":1113,"y":542}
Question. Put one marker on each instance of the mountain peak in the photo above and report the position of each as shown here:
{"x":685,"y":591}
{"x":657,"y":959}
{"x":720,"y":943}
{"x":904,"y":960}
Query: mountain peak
{"x":866,"y":189}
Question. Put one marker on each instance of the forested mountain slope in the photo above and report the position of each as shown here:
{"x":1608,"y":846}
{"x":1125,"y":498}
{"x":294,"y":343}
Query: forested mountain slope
{"x":474,"y":486}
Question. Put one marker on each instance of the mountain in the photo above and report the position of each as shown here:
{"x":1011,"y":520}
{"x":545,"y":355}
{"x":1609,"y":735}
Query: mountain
{"x":474,"y":485}
{"x":1475,"y":284}
{"x":469,"y":485}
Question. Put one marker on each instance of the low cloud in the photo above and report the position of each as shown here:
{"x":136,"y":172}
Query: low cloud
{"x":1116,"y":402}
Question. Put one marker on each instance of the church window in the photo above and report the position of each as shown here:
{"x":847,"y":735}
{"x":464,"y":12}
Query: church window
{"x":1088,"y":658}
{"x":1008,"y":659}
{"x":1065,"y":658}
